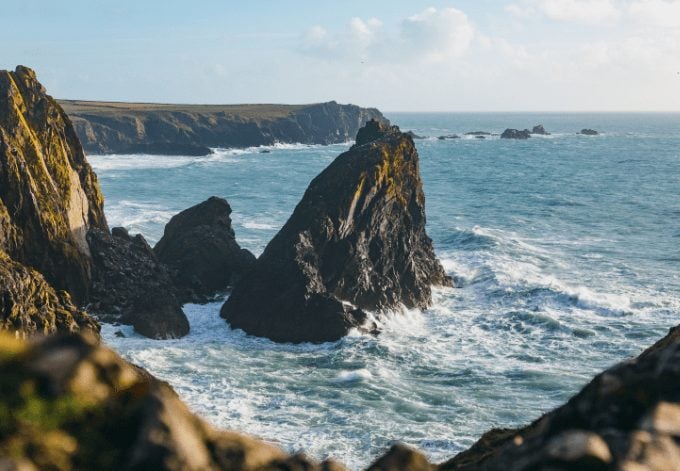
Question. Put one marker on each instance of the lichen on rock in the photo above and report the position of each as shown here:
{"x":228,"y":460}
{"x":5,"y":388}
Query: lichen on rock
{"x":356,"y":242}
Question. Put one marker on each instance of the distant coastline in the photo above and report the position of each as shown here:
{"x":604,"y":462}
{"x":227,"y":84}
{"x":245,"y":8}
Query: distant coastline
{"x":168,"y":129}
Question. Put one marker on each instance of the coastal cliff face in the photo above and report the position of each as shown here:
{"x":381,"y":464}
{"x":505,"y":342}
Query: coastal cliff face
{"x":49,"y":195}
{"x":30,"y":306}
{"x":69,"y":404}
{"x":355,"y":243}
{"x":193,"y":129}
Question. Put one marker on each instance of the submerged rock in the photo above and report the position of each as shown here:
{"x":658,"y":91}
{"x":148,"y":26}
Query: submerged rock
{"x":588,"y":132}
{"x":478,"y":133}
{"x":628,"y":417}
{"x":355,"y":242}
{"x":200,"y":248}
{"x":69,"y":404}
{"x":131,"y":286}
{"x":49,"y":195}
{"x":30,"y":306}
{"x":516,"y":134}
{"x":449,"y":136}
{"x":540,"y":130}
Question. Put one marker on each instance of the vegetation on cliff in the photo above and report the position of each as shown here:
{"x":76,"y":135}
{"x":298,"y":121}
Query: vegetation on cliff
{"x":49,"y":195}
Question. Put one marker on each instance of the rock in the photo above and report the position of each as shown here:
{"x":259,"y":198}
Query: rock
{"x":265,"y":151}
{"x":70,"y":404}
{"x":539,"y":129}
{"x":131,"y":286}
{"x":449,"y":136}
{"x":200,"y":248}
{"x":480,"y":137}
{"x":589,"y":132}
{"x":30,"y":306}
{"x":628,"y":417}
{"x":49,"y":195}
{"x":399,"y":458}
{"x":194,"y":129}
{"x":413,"y":135}
{"x":355,"y":242}
{"x":515,"y":134}
{"x":478,"y":133}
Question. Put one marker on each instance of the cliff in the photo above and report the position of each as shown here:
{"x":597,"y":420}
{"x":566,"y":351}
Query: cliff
{"x":356,"y":242}
{"x":106,"y":127}
{"x":49,"y":195}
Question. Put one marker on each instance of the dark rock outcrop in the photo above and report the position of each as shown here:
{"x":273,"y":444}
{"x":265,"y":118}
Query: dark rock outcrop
{"x":628,"y":417}
{"x":540,"y":130}
{"x":30,"y":306}
{"x":68,"y":404}
{"x":413,"y":135}
{"x":516,"y":134}
{"x":193,"y":129}
{"x":448,"y":136}
{"x":355,"y":242}
{"x":478,"y":133}
{"x":588,"y":132}
{"x":49,"y":195}
{"x":131,"y":286}
{"x":200,"y":248}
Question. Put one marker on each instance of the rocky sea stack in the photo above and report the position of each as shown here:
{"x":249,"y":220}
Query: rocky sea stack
{"x":355,"y":243}
{"x":200,"y":248}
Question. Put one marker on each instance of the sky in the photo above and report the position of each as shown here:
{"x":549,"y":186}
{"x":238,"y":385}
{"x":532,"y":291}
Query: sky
{"x":468,"y":55}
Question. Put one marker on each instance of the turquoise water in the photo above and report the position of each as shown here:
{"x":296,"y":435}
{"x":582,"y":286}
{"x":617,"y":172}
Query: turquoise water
{"x":565,"y":250}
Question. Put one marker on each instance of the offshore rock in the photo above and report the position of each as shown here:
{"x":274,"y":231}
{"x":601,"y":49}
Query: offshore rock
{"x":355,"y":242}
{"x":200,"y":248}
{"x":414,"y":135}
{"x":516,"y":134}
{"x":131,"y":286}
{"x":449,"y":136}
{"x":30,"y":306}
{"x":69,"y":404}
{"x":540,"y":130}
{"x":49,"y":195}
{"x":478,"y":133}
{"x":588,"y":132}
{"x":193,"y":129}
{"x":628,"y":417}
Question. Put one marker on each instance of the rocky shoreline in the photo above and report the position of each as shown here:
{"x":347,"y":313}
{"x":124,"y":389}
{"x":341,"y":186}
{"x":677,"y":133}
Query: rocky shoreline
{"x":355,"y":243}
{"x":141,"y":128}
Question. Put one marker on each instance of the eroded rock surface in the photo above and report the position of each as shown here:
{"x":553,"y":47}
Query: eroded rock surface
{"x":131,"y":286}
{"x":30,"y":306}
{"x":49,"y":195}
{"x":199,"y":246}
{"x":516,"y":134}
{"x":355,"y":242}
{"x":627,"y":418}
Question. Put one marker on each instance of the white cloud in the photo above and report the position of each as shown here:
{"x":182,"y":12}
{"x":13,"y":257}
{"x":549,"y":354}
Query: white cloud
{"x":660,"y":13}
{"x":579,"y":11}
{"x":438,"y":35}
{"x":432,"y":35}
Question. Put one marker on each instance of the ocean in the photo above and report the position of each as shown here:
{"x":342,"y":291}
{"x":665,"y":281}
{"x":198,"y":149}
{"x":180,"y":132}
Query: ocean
{"x":564,"y":250}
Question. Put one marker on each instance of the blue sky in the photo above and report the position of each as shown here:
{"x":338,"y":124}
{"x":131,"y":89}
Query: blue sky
{"x":482,"y":55}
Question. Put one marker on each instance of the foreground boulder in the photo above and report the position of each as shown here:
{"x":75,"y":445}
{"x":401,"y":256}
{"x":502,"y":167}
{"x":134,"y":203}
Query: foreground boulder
{"x":200,"y":248}
{"x":355,"y":242}
{"x":68,"y":404}
{"x":131,"y":286}
{"x":49,"y":195}
{"x":628,"y":417}
{"x":30,"y":306}
{"x":516,"y":134}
